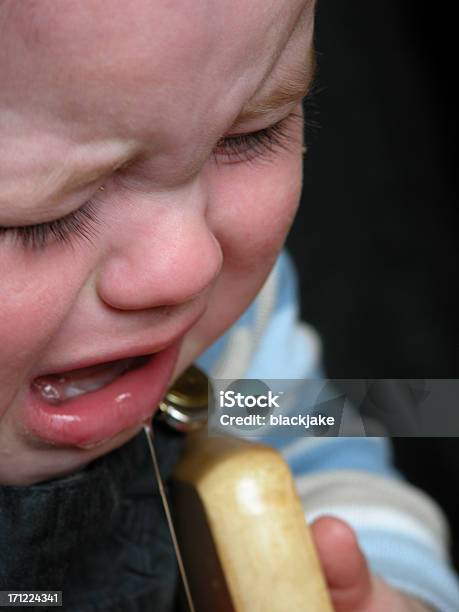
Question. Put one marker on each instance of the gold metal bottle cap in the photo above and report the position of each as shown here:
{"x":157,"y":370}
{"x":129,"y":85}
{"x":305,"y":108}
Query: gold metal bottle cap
{"x":185,"y":405}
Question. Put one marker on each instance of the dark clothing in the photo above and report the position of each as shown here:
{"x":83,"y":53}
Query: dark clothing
{"x":99,"y":535}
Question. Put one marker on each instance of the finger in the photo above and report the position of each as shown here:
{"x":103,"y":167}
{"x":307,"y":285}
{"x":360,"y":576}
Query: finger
{"x":344,"y":565}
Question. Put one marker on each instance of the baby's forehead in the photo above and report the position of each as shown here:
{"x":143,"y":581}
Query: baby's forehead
{"x":149,"y":46}
{"x":127,"y":70}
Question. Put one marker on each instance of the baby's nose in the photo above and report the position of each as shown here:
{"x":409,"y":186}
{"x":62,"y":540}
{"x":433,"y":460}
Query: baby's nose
{"x":161,"y":258}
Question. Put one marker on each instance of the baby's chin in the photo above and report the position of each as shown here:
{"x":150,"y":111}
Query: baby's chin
{"x":30,"y":461}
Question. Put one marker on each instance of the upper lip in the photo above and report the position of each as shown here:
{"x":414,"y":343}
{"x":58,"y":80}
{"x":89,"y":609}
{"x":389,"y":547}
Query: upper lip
{"x":137,"y":350}
{"x":88,"y":363}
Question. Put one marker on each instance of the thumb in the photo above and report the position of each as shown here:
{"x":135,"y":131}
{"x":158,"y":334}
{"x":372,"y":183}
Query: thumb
{"x":344,"y":565}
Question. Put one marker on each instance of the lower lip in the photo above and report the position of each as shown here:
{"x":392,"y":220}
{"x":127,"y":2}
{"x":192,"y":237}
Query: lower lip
{"x":94,"y":417}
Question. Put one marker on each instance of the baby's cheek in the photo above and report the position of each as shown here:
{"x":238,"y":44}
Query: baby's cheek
{"x":255,"y":208}
{"x":36,"y":293}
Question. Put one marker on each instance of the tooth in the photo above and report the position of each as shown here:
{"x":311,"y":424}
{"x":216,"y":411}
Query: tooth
{"x":74,"y":391}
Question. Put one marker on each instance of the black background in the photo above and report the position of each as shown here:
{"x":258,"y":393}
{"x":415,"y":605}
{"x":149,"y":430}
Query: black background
{"x":375,"y":238}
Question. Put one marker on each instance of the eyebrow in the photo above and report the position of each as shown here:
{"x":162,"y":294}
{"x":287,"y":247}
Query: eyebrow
{"x":85,"y":179}
{"x":293,"y":86}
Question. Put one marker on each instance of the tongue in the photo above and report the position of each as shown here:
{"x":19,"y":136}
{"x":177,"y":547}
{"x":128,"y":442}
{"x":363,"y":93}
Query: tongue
{"x":57,"y":388}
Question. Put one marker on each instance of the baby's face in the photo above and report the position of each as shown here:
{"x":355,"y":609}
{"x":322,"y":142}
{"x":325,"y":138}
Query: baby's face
{"x":148,"y":128}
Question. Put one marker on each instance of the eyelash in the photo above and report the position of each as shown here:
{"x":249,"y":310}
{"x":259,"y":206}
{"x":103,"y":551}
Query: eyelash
{"x":82,"y":223}
{"x":258,"y":145}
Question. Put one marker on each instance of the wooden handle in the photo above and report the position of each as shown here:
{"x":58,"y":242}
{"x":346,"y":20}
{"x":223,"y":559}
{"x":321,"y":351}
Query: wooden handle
{"x":242,"y":531}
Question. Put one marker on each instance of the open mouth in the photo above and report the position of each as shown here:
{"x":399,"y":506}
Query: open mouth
{"x":55,"y":389}
{"x":87,"y":406}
